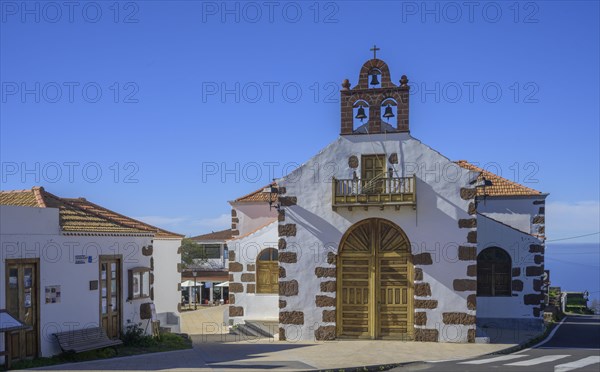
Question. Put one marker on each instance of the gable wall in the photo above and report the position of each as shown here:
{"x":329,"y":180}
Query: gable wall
{"x":311,"y":230}
{"x":248,"y":217}
{"x":244,"y":302}
{"x":526,"y":214}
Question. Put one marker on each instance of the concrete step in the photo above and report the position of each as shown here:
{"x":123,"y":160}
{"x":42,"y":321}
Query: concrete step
{"x":257,"y":329}
{"x":266,"y":328}
{"x":244,"y":330}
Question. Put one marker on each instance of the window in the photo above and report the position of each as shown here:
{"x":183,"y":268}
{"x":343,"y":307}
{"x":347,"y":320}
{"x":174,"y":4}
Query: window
{"x":493,"y":272}
{"x":372,"y":171}
{"x":212,"y":250}
{"x":139,"y":282}
{"x":267,"y":271}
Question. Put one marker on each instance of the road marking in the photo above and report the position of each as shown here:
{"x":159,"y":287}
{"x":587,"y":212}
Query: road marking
{"x":547,"y":338}
{"x":495,"y":359}
{"x":577,"y":364}
{"x":540,"y":360}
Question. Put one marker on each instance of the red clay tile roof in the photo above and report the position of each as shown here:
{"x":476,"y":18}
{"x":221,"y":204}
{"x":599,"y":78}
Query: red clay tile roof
{"x":22,"y":198}
{"x":215,"y":235}
{"x":124,"y":220}
{"x":500,"y":186}
{"x":257,"y":196}
{"x":78,"y":215}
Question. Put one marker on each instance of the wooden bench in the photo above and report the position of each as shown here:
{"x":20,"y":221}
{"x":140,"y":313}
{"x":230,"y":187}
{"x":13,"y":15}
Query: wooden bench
{"x":85,"y":339}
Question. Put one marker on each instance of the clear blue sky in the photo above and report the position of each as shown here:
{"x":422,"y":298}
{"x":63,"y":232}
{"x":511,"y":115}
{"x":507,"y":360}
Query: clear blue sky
{"x":162,"y":61}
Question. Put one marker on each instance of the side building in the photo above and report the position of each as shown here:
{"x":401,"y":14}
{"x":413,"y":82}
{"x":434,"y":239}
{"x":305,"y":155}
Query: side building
{"x":68,"y":264}
{"x":254,"y":260}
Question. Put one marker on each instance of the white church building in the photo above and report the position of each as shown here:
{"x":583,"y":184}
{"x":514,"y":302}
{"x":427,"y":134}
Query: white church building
{"x":395,"y":241}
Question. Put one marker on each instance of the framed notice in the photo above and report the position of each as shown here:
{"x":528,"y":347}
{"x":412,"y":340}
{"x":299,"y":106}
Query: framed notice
{"x":52,"y":294}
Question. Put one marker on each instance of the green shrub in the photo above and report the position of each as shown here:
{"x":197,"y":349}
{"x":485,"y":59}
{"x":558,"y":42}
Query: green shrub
{"x":578,"y":309}
{"x":173,"y":341}
{"x":136,"y":336}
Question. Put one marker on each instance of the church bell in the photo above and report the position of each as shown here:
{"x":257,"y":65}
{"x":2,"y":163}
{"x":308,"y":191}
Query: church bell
{"x":361,"y":113}
{"x":388,"y":112}
{"x":374,"y":80}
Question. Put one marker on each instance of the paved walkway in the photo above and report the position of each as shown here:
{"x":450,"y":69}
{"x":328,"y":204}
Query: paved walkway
{"x":256,"y":355}
{"x":205,"y":320}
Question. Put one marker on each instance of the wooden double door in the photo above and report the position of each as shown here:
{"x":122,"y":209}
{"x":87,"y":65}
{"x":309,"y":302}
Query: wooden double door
{"x":375,"y":286}
{"x":22,"y":302}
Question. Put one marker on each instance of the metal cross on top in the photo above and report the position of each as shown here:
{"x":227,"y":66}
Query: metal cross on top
{"x":374,"y":50}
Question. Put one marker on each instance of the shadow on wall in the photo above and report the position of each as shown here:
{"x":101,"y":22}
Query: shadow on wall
{"x":320,"y":228}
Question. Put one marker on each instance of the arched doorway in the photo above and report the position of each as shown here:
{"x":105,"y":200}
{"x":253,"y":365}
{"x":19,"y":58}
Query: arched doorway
{"x":375,"y":282}
{"x":267,"y":271}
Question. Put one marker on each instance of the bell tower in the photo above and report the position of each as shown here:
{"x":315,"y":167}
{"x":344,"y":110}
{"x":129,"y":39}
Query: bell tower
{"x":375,"y":104}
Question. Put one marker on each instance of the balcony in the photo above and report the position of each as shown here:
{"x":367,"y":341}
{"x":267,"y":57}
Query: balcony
{"x":377,"y":192}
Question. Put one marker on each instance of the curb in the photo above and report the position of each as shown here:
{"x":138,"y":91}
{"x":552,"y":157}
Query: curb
{"x":548,"y":332}
{"x":372,"y":368}
{"x":544,"y":337}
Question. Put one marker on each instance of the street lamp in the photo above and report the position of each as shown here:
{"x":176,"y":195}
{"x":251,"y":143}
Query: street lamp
{"x":194,"y":273}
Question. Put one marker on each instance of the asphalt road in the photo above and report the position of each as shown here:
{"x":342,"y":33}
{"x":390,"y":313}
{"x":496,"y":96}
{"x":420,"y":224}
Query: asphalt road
{"x":575,"y":346}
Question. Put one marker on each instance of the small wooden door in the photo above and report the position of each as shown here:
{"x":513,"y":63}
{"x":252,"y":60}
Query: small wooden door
{"x":372,"y":171}
{"x":110,"y":295}
{"x":22,"y":302}
{"x":267,"y":271}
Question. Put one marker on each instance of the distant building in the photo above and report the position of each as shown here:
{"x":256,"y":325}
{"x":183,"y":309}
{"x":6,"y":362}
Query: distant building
{"x":215,"y":248}
{"x":380,"y":236}
{"x":211,"y":271}
{"x":70,"y":264}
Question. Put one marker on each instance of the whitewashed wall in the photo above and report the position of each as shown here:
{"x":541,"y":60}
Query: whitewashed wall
{"x":431,"y":228}
{"x":256,"y":306}
{"x":517,"y":244}
{"x":517,"y":212}
{"x":252,"y":216}
{"x":33,"y":233}
{"x":166,"y":279}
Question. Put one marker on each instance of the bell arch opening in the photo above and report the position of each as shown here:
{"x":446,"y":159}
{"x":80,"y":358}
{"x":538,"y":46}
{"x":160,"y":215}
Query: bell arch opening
{"x":360,"y":115}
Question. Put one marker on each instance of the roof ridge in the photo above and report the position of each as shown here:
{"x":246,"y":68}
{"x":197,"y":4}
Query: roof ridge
{"x":14,"y":191}
{"x":38,"y":193}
